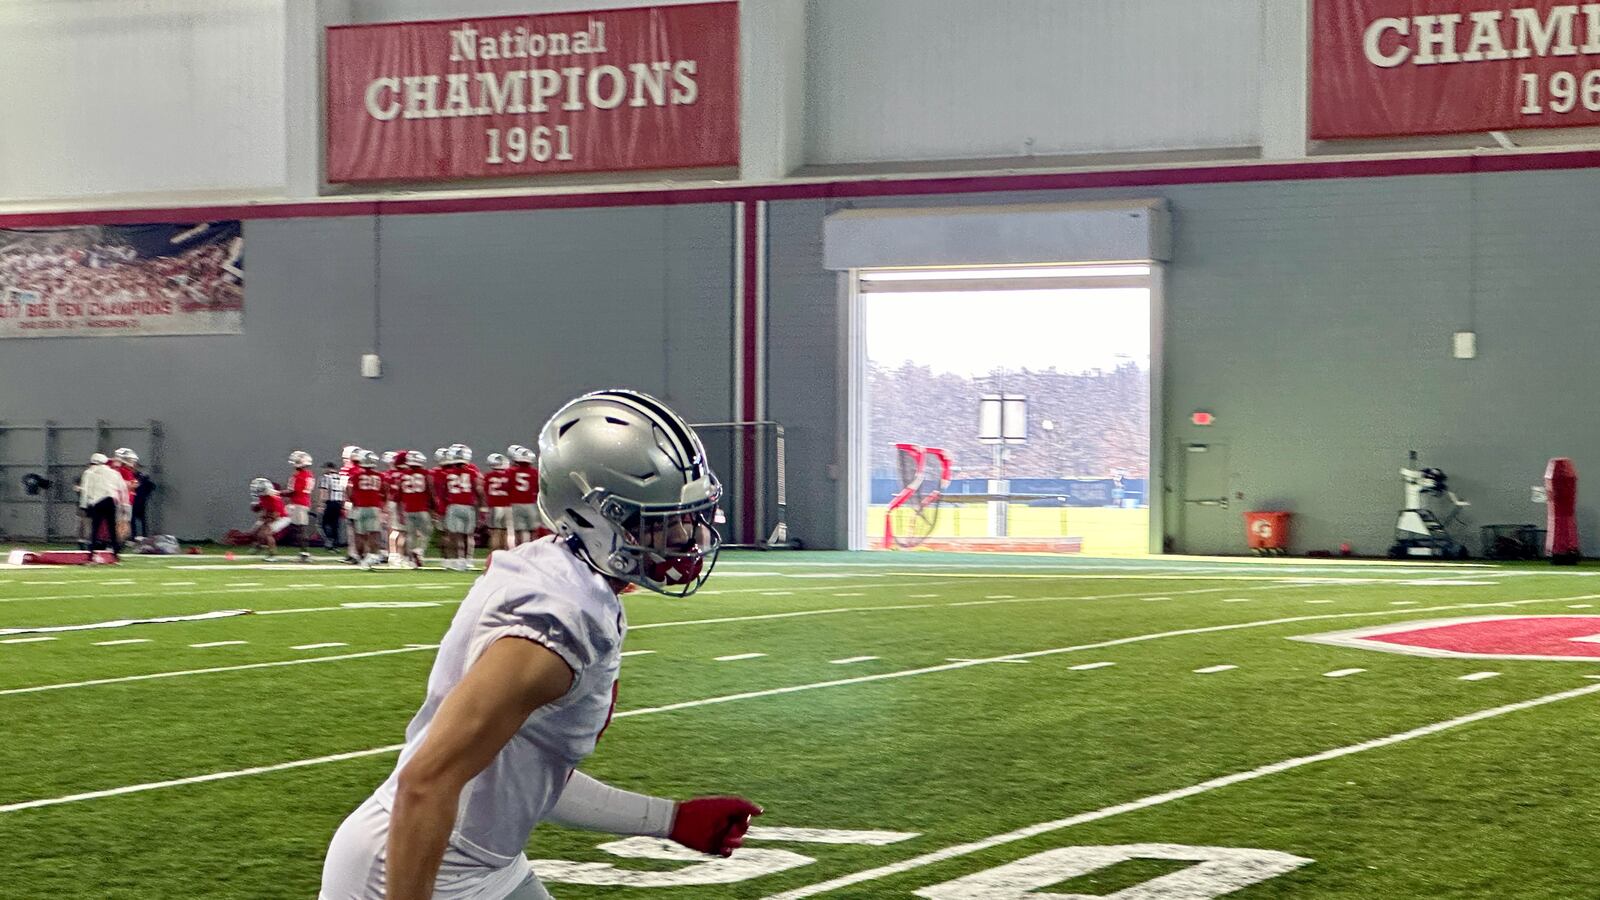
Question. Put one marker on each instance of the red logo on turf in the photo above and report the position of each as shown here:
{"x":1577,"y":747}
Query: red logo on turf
{"x":1479,"y":637}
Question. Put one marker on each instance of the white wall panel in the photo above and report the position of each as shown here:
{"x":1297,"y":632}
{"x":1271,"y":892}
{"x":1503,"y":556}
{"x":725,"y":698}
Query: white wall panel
{"x":140,"y":96}
{"x":950,"y":79}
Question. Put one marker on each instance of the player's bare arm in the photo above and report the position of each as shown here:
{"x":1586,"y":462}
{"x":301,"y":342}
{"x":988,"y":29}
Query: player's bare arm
{"x":509,"y":681}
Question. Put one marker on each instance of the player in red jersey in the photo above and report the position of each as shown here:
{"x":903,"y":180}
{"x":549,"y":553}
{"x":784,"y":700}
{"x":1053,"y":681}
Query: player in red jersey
{"x":349,"y":456}
{"x":299,"y":505}
{"x":525,"y":525}
{"x":497,"y":494}
{"x":125,"y":463}
{"x":394,"y":553}
{"x":414,"y":487}
{"x":463,"y":494}
{"x":274,"y":515}
{"x":367,"y":496}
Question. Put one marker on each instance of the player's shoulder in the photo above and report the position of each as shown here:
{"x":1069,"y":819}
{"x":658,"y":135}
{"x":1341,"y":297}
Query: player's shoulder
{"x":546,"y":573}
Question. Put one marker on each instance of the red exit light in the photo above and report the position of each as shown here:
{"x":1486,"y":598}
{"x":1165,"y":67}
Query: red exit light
{"x":1202,"y":418}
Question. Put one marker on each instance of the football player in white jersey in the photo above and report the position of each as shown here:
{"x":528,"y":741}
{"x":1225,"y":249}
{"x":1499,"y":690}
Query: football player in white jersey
{"x":526,"y":676}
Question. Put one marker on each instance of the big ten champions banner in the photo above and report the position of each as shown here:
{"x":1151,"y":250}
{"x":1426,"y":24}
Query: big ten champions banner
{"x":103,"y":280}
{"x":647,"y":88}
{"x":1396,"y":67}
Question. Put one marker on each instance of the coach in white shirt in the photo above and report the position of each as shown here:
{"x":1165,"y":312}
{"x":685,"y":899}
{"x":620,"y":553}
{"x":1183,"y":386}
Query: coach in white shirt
{"x":101,"y":492}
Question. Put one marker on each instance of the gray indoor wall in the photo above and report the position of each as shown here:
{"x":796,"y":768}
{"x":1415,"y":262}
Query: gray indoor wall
{"x":488,"y":321}
{"x":1314,"y":318}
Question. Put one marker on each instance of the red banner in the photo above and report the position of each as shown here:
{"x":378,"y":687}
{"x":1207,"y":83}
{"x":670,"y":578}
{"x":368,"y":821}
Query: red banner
{"x":1395,"y":67}
{"x":647,"y":88}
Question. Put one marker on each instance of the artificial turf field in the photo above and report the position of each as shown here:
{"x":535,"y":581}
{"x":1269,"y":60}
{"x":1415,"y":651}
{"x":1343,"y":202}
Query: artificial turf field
{"x":998,"y":726}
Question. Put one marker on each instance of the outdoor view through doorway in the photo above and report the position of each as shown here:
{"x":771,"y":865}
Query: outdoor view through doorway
{"x":1073,"y":343}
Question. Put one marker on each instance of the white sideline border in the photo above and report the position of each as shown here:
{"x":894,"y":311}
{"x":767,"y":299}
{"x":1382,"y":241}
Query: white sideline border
{"x":839,"y":682}
{"x":1203,"y":787}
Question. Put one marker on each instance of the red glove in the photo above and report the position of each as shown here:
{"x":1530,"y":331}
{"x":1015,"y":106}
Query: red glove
{"x":714,"y":825}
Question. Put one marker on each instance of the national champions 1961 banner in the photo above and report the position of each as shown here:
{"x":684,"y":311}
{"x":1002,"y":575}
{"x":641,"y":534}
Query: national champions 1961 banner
{"x":1398,"y":67}
{"x":105,"y":280}
{"x":646,"y":88}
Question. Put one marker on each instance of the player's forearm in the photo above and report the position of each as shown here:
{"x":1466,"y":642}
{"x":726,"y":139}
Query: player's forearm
{"x":419,"y":828}
{"x":595,"y":806}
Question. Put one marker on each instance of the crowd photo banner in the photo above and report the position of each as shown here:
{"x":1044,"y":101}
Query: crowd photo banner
{"x":613,"y":90}
{"x":105,"y":280}
{"x":1384,"y":68}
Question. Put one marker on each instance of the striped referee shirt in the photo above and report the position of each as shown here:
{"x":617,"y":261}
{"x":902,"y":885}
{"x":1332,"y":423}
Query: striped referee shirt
{"x":334,"y":484}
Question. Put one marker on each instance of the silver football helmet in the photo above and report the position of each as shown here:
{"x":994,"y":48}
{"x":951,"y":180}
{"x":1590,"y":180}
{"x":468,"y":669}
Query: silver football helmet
{"x":460,"y":453}
{"x":497,"y":461}
{"x":625,"y":479}
{"x":368,"y":459}
{"x":260,"y":487}
{"x":300,"y":459}
{"x":416,"y":459}
{"x":126,"y":455}
{"x":441,"y":455}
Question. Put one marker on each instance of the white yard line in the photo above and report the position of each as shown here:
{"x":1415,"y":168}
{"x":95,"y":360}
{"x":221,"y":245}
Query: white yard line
{"x":217,"y":776}
{"x":318,"y":646}
{"x":121,"y":642}
{"x":1115,"y":642}
{"x":738,"y":656}
{"x":1087,"y":666}
{"x":387,"y":586}
{"x":840,"y":682}
{"x":1342,"y":673}
{"x":239,"y":668}
{"x":852,"y":659}
{"x":1479,"y":676}
{"x":636,"y":652}
{"x":1212,"y":670}
{"x":219,"y":644}
{"x":26,"y":640}
{"x":1203,"y":787}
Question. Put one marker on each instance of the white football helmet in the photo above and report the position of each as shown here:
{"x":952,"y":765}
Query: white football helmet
{"x":260,"y":487}
{"x":441,"y":456}
{"x":389,"y":456}
{"x":127,"y":455}
{"x":98,"y":459}
{"x":624,"y":479}
{"x":368,"y":459}
{"x":416,"y":458}
{"x":497,"y":461}
{"x":300,"y":459}
{"x":520,"y":454}
{"x":350,"y":453}
{"x":461,"y":453}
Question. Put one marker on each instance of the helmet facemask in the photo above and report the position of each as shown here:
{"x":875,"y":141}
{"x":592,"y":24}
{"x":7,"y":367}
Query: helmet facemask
{"x":669,"y":549}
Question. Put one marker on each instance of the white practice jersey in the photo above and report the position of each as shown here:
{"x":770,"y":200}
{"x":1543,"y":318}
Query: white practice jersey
{"x":540,"y":591}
